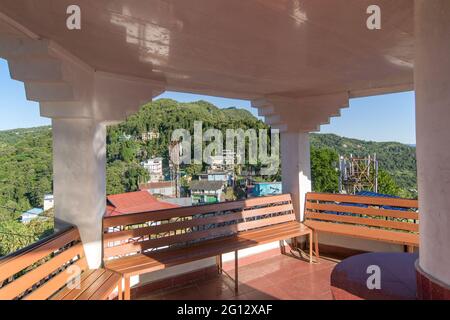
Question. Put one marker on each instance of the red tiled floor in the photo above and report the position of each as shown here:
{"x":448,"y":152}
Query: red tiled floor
{"x":274,"y":277}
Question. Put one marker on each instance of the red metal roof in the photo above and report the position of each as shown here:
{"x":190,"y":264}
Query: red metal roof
{"x":133,"y":202}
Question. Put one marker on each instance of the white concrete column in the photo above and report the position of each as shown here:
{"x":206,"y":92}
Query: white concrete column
{"x":296,"y":168}
{"x":80,"y":100}
{"x":432,"y":86}
{"x":79,"y":173}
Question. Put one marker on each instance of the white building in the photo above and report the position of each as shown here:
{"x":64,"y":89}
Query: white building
{"x":48,"y":202}
{"x":225,"y":161}
{"x":164,"y":188}
{"x":154,"y":167}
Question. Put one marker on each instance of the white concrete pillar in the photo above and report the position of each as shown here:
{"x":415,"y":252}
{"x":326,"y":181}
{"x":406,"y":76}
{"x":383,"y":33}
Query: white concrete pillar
{"x":79,"y":173}
{"x":296,"y":168}
{"x":432,"y":86}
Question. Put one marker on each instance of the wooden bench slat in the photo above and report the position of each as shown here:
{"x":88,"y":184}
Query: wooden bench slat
{"x":166,"y":214}
{"x":107,"y":287}
{"x":42,"y":271}
{"x":223,"y":243}
{"x":213,"y":232}
{"x":23,"y":283}
{"x":167,"y":227}
{"x":361,"y":210}
{"x":90,"y":290}
{"x":136,"y":269}
{"x":148,"y":262}
{"x":363,"y":221}
{"x":57,"y":282}
{"x":87,"y":278}
{"x":365,"y":232}
{"x":252,"y":234}
{"x":11,"y":265}
{"x":393,"y":202}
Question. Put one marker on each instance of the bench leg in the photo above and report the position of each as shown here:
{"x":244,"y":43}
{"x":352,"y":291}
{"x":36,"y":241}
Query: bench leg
{"x":127,"y":293}
{"x":310,"y":247}
{"x":219,"y":264}
{"x":236,"y":272}
{"x":282,"y":248}
{"x":410,"y":249}
{"x":316,"y":244}
{"x":119,"y":290}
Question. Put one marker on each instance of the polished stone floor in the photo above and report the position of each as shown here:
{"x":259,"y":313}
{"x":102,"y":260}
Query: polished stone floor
{"x":261,"y":277}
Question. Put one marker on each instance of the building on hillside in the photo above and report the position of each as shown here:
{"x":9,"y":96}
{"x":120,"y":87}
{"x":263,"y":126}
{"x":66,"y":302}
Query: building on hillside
{"x":134,"y":202}
{"x":162,"y":188}
{"x":204,"y":191}
{"x":31,"y":214}
{"x":49,"y":202}
{"x":225,"y":161}
{"x":260,"y":189}
{"x":226,"y":177}
{"x":154,"y":167}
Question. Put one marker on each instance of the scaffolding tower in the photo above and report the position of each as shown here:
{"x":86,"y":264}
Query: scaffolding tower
{"x":358,"y":174}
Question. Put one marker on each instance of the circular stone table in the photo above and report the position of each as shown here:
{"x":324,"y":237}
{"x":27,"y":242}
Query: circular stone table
{"x":397,"y":277}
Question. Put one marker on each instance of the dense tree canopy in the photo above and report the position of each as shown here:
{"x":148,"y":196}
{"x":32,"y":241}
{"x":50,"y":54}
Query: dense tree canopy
{"x":325,"y":176}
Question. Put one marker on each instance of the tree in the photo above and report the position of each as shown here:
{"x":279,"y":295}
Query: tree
{"x":325,"y":176}
{"x":387,"y":185}
{"x":114,"y":176}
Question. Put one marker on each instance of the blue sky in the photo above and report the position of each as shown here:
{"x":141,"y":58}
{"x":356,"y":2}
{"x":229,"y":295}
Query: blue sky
{"x":379,"y":118}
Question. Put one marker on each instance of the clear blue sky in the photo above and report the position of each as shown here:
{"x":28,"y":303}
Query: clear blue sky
{"x":380,"y":118}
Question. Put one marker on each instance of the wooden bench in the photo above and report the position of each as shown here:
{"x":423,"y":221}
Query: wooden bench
{"x":392,"y":220}
{"x":145,"y":242}
{"x":54,"y":269}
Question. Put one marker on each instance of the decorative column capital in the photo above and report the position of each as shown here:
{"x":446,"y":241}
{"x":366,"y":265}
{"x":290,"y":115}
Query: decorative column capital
{"x":66,"y":87}
{"x":303,"y":114}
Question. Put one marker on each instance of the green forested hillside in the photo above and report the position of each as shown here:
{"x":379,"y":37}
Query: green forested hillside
{"x":25,"y":176}
{"x":127,"y":148}
{"x":26,"y":156}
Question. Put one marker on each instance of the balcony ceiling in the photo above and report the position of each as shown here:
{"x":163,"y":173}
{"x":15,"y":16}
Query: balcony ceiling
{"x":234,"y":48}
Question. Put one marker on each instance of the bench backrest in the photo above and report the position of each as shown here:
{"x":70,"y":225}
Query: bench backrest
{"x":162,"y":229}
{"x":377,"y":212}
{"x":40,"y":270}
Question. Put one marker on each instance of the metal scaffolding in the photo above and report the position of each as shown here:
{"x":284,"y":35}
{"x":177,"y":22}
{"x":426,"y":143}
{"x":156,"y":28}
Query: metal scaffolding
{"x":358,"y":174}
